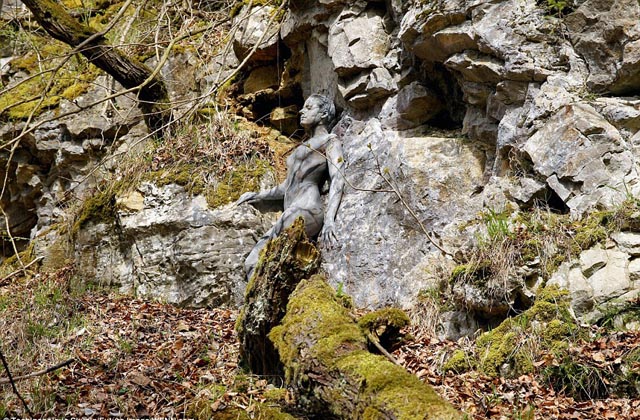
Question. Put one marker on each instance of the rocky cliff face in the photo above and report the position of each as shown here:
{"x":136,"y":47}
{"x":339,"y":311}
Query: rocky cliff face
{"x":448,"y":108}
{"x":467,"y":105}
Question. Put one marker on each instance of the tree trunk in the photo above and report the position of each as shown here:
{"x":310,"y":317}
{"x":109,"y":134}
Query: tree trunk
{"x":302,"y":329}
{"x":153,"y":98}
{"x":327,"y":363}
{"x":283,"y":263}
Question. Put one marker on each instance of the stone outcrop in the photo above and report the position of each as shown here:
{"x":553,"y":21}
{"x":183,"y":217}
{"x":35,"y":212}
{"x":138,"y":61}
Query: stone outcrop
{"x":448,"y":108}
{"x":168,"y":245}
{"x":61,"y":157}
{"x":603,"y":278}
{"x":518,"y":83}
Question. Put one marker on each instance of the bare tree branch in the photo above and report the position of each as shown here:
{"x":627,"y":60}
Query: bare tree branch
{"x":13,"y":385}
{"x":39,"y":373}
{"x":153,"y":95}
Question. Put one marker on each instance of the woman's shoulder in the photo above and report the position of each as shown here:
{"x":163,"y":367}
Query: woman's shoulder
{"x":320,"y":141}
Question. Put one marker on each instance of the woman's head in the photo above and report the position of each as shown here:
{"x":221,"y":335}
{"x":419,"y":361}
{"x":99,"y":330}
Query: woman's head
{"x":318,"y":109}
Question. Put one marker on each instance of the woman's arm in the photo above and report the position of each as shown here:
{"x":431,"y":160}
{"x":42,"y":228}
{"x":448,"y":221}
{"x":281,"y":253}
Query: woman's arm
{"x":335,"y":161}
{"x":274,"y":194}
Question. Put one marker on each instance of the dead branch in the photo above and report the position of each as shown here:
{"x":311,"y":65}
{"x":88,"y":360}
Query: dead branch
{"x":39,"y":373}
{"x":20,"y":270}
{"x":153,"y":96}
{"x":13,"y":385}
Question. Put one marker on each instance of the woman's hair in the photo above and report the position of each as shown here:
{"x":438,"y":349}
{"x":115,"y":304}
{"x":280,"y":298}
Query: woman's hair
{"x":326,"y":107}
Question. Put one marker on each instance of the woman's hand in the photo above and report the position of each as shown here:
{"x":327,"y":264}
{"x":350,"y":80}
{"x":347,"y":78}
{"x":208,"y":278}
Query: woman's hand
{"x":248,"y":197}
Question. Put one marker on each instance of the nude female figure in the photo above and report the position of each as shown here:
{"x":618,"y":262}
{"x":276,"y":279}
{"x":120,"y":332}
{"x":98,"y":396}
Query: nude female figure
{"x":307,"y":169}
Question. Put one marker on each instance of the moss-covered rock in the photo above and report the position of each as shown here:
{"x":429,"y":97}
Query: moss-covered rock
{"x":100,"y":207}
{"x":245,"y":177}
{"x":459,"y":362}
{"x":53,"y":77}
{"x":548,"y":324}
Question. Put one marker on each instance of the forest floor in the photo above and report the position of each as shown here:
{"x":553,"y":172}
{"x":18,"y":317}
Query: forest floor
{"x":135,"y":358}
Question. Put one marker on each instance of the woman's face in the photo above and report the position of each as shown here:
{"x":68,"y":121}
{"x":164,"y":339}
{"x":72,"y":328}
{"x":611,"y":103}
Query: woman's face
{"x":311,"y":115}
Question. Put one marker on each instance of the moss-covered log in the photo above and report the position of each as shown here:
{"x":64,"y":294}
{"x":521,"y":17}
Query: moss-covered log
{"x":326,"y":361}
{"x":283,"y":263}
{"x":153,"y":97}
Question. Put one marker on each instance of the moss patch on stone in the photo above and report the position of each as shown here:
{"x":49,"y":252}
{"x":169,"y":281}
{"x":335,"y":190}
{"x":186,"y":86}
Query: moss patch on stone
{"x":100,"y":207}
{"x":459,"y":362}
{"x":548,"y":324}
{"x":539,"y":241}
{"x":44,"y":88}
{"x":245,"y":177}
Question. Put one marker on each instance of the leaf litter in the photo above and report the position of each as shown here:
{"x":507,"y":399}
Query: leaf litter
{"x":138,"y":358}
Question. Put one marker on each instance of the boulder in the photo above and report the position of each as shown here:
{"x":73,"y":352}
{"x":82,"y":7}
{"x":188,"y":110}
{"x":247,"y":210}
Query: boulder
{"x":172,"y":247}
{"x":357,"y":43}
{"x":583,"y":158}
{"x":262,"y":78}
{"x":606,"y":34}
{"x":256,"y":26}
{"x":285,"y":119}
{"x":599,"y":279}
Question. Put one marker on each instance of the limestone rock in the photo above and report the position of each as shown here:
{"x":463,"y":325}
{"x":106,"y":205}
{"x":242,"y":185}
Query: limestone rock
{"x":583,"y":158}
{"x":628,"y":242}
{"x":254,"y":29}
{"x":357,"y":43}
{"x":435,"y":175}
{"x":476,"y":67}
{"x":600,"y":278}
{"x":285,"y":119}
{"x":606,"y":34}
{"x":262,"y":78}
{"x":174,"y":248}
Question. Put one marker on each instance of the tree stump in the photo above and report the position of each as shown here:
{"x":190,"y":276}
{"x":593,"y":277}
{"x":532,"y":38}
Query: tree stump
{"x":326,"y":362}
{"x":283,"y":262}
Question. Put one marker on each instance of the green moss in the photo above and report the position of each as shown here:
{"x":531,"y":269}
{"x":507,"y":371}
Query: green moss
{"x":45,"y":91}
{"x":101,"y":207}
{"x":617,"y":316}
{"x":275,"y":394}
{"x":246,"y":177}
{"x":11,"y":263}
{"x":185,"y":175}
{"x":237,"y":7}
{"x":337,"y":332}
{"x":388,"y":317}
{"x":459,"y":271}
{"x":546,"y":325}
{"x":266,"y":412}
{"x":390,"y":388}
{"x":459,"y":362}
{"x":317,"y":322}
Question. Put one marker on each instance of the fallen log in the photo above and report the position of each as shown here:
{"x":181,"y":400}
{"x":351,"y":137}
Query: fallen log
{"x":302,"y":330}
{"x":327,"y":364}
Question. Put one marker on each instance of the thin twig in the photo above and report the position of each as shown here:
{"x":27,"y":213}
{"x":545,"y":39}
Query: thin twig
{"x":20,"y":270}
{"x":409,"y":209}
{"x":374,"y":340}
{"x":39,"y":373}
{"x":13,"y":385}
